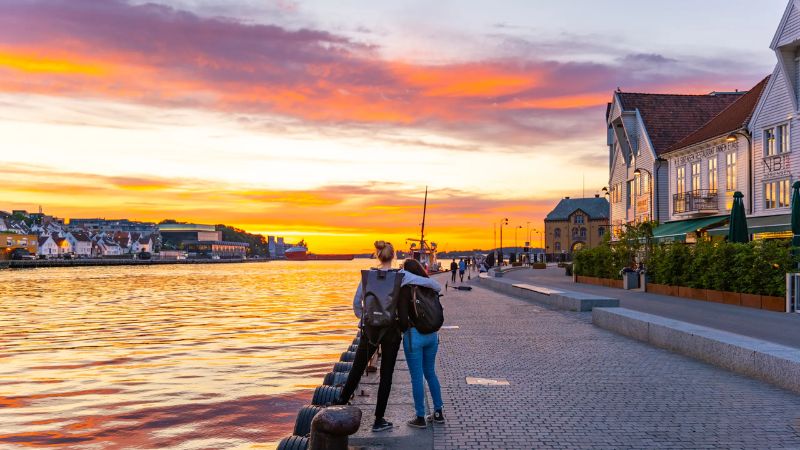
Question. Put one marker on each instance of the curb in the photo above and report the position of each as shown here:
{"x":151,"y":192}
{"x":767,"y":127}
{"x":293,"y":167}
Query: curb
{"x":766,"y":361}
{"x":565,"y":300}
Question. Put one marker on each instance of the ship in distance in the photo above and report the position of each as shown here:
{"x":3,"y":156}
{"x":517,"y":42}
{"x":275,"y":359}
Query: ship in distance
{"x":299,"y":252}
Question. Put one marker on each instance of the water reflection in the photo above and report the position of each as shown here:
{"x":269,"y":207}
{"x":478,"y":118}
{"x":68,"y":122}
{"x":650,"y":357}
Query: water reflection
{"x":214,"y":356}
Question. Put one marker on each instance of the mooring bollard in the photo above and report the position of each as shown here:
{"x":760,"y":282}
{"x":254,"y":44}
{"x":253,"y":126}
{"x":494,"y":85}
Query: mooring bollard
{"x":332,"y":426}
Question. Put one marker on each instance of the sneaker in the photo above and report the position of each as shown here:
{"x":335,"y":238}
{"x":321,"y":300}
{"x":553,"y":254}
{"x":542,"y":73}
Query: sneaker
{"x":436,"y":417}
{"x":381,"y":425}
{"x":417,"y":422}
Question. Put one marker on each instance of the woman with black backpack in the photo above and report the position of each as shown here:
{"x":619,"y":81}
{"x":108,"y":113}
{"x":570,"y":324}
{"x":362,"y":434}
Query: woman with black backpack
{"x":420,"y":348}
{"x":388,"y":337}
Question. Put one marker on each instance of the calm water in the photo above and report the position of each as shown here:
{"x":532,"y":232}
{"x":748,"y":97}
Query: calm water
{"x":211,"y":356}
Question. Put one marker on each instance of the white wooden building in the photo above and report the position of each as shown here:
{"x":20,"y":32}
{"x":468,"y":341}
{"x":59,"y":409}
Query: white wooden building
{"x":641,"y":127}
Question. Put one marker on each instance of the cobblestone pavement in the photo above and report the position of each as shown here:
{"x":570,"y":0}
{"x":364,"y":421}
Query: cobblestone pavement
{"x":573,"y":385}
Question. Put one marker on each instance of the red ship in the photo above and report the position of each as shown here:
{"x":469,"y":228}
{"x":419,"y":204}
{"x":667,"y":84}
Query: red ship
{"x":300,"y":253}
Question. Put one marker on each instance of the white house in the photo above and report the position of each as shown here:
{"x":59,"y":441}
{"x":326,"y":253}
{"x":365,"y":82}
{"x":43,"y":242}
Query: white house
{"x":776,"y":159}
{"x":141,"y":243}
{"x":105,"y":246}
{"x":47,"y":246}
{"x":81,"y":243}
{"x":641,"y":127}
{"x":707,"y":167}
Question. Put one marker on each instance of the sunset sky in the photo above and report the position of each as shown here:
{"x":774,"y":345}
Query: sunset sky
{"x":325,"y":120}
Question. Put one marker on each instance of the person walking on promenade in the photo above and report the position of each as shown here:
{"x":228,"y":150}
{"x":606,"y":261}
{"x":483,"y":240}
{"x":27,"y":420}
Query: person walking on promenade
{"x":388,"y":338}
{"x":462,"y":267}
{"x":453,"y":268}
{"x":420,"y":349}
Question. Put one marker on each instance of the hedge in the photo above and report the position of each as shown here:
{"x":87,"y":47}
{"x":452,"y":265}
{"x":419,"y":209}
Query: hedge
{"x":757,"y":267}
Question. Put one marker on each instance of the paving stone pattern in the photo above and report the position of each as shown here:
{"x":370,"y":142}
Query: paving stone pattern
{"x":574,"y":385}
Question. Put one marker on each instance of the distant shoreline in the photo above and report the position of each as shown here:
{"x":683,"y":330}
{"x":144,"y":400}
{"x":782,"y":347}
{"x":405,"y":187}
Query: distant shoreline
{"x":42,"y":263}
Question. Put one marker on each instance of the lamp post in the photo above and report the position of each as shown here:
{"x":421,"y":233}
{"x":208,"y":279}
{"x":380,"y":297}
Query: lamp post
{"x":638,"y":172}
{"x":503,"y":221}
{"x":732,"y":138}
{"x":518,"y":227}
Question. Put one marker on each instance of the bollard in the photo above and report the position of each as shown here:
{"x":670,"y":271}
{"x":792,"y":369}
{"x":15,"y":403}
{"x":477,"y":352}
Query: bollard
{"x":348,"y":356}
{"x":331,"y":427}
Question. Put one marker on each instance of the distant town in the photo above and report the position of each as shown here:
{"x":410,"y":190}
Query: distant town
{"x":36,"y":235}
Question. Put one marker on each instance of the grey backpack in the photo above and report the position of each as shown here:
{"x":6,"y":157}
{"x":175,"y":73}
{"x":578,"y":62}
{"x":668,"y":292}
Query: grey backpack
{"x":380,"y":289}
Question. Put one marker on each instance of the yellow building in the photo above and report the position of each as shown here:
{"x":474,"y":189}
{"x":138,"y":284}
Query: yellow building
{"x":12,"y":241}
{"x":575,"y":224}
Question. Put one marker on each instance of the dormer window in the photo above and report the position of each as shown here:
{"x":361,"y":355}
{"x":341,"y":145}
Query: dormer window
{"x":579,"y":218}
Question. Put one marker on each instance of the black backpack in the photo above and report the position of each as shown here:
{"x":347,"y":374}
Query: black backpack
{"x":380,"y":291}
{"x":428,"y":311}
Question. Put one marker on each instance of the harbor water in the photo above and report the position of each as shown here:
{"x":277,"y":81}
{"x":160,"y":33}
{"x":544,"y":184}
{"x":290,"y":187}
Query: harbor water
{"x":200,"y":356}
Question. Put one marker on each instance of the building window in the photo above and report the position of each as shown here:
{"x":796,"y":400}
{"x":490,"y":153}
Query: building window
{"x":558,"y":246}
{"x":579,"y":218}
{"x":557,"y":233}
{"x":601,"y":232}
{"x":783,"y":139}
{"x":769,"y":142}
{"x":583,"y":233}
{"x":730,"y":171}
{"x":695,"y":176}
{"x":680,"y":186}
{"x":777,"y":194}
{"x":645,"y":183}
{"x":574,"y":232}
{"x":712,"y":174}
{"x":628,"y":194}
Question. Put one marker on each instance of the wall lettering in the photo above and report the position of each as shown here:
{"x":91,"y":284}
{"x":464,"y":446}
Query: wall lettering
{"x":776,"y":167}
{"x":708,"y":152}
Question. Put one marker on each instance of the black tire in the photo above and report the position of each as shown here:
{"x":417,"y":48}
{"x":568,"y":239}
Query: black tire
{"x":325,"y":395}
{"x":348,"y":357}
{"x":342,"y":367}
{"x":293,"y":443}
{"x":302,"y":425}
{"x":352,"y":348}
{"x":358,"y":335}
{"x":335,"y":379}
{"x":356,"y":341}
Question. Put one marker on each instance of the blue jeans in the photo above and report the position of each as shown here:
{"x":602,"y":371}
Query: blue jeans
{"x":420,"y":352}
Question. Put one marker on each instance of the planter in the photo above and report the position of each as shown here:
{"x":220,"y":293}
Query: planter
{"x":715,"y":296}
{"x":685,"y":292}
{"x":540,"y":266}
{"x":731,"y":298}
{"x":697,"y":294}
{"x":771,"y":303}
{"x":607,"y":282}
{"x":751,"y":301}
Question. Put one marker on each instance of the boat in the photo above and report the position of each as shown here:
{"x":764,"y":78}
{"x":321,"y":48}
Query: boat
{"x":426,"y":252}
{"x":299,"y":252}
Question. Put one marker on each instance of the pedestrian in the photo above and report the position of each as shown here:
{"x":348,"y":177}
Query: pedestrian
{"x":388,"y":338}
{"x":420,"y":349}
{"x":462,"y":267}
{"x":453,"y":268}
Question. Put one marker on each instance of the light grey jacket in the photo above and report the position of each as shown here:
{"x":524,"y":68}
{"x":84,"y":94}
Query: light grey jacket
{"x":408,"y":278}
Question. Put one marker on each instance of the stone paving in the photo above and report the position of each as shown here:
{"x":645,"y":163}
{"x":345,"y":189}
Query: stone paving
{"x":573,"y":385}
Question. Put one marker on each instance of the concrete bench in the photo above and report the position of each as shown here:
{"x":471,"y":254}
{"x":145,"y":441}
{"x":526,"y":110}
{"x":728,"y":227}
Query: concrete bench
{"x":560,"y":299}
{"x":774,"y":363}
{"x":539,"y":289}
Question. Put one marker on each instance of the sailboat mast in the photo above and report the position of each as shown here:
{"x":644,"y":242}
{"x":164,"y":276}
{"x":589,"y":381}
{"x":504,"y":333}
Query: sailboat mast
{"x":424,"y":211}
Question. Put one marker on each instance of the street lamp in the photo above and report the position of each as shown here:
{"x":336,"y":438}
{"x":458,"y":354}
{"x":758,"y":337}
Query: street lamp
{"x":518,"y":227}
{"x":503,"y":221}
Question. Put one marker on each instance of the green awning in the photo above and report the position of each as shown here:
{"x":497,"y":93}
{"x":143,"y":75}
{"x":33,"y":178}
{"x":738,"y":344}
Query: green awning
{"x":676,"y":231}
{"x":765,"y":224}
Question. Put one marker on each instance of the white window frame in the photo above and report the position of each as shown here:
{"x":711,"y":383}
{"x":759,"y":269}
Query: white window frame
{"x":697,"y":178}
{"x":680,"y":180}
{"x":730,"y":171}
{"x":712,"y":174}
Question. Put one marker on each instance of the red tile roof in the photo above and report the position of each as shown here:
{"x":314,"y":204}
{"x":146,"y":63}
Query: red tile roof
{"x":669,"y":118}
{"x":732,"y":118}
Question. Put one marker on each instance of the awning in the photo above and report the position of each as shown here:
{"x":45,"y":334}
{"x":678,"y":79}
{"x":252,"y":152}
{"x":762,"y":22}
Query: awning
{"x":676,"y":231}
{"x":765,"y":224}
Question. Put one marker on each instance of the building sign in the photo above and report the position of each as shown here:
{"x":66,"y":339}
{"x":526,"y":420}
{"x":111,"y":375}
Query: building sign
{"x":708,"y":152}
{"x":642,"y":204}
{"x":776,"y":167}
